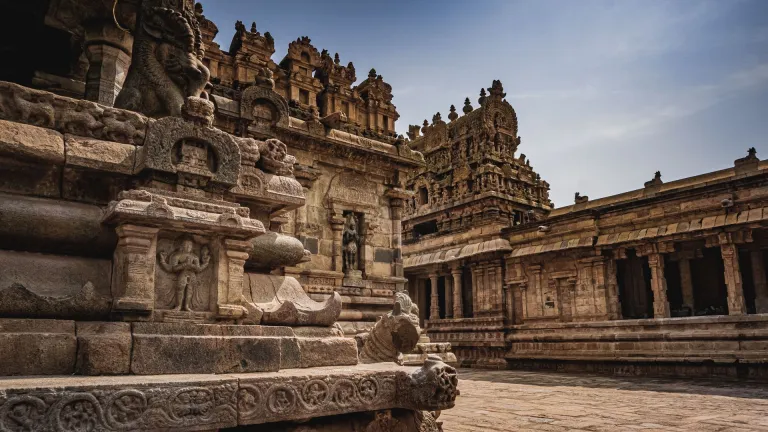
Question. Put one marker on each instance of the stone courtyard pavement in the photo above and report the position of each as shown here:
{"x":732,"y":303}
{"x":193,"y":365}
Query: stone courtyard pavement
{"x":542,"y":401}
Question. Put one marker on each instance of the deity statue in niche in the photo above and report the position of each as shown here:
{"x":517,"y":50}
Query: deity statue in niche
{"x":186,"y":264}
{"x":351,"y":239}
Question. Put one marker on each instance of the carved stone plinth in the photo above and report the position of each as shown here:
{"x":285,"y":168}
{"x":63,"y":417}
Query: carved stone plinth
{"x":168,"y":258}
{"x":197,"y":402}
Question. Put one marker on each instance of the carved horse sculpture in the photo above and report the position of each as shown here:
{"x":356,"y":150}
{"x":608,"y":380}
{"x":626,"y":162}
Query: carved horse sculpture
{"x":166,"y":67}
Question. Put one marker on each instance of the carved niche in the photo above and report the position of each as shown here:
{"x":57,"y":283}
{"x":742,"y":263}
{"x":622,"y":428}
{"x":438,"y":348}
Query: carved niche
{"x":184,"y":275}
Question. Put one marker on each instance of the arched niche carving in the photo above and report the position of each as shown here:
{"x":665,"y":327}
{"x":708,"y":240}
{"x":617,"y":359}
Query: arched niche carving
{"x":262,"y":102}
{"x":173,"y":144}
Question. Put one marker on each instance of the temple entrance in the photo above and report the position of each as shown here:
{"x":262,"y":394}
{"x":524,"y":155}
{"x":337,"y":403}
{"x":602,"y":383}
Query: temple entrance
{"x":709,"y":291}
{"x":441,"y":297}
{"x":634,"y":278}
{"x":466,"y":292}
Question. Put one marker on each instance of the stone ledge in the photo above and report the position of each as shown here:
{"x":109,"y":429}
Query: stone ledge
{"x":31,"y":142}
{"x":37,"y":347}
{"x":193,"y":402}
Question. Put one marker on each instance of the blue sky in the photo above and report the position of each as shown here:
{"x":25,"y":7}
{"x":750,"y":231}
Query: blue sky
{"x":606,"y":92}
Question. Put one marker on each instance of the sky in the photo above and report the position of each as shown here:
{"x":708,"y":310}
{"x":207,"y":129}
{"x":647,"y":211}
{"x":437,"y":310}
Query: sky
{"x":606,"y":92}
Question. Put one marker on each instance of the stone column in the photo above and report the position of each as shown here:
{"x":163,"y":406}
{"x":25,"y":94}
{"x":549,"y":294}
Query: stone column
{"x":337,"y":226}
{"x":448,"y":297}
{"x":686,"y":283}
{"x":230,"y":278}
{"x":473,"y":273}
{"x":758,"y":276}
{"x":421,"y":288}
{"x":490,"y":289}
{"x":458,"y":311}
{"x":133,"y":280}
{"x":730,"y":254}
{"x":108,"y":50}
{"x":659,"y":286}
{"x":509,"y":301}
{"x":434,"y":305}
{"x":498,"y":291}
{"x":396,"y":208}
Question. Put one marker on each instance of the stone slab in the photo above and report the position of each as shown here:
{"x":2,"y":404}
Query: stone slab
{"x":130,"y":403}
{"x":60,"y":291}
{"x":335,"y":351}
{"x":199,"y":402}
{"x":163,"y":348}
{"x":103,"y":348}
{"x":100,"y":155}
{"x":31,"y":142}
{"x":37,"y":347}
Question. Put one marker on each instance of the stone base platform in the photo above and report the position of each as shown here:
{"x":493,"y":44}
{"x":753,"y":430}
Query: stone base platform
{"x":692,"y":346}
{"x":425,"y":347}
{"x":59,"y":347}
{"x":194,"y":402}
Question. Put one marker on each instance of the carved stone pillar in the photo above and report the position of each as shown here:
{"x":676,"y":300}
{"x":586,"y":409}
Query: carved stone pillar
{"x":133,"y":282}
{"x":758,"y":276}
{"x":230,"y":279}
{"x":509,"y":303}
{"x":498,"y":293}
{"x":490,"y":289}
{"x":337,"y":226}
{"x":448,"y":296}
{"x":473,"y":274}
{"x":458,"y":309}
{"x":658,"y":286}
{"x":434,"y":305}
{"x":730,"y":254}
{"x":109,"y":55}
{"x":686,"y":282}
{"x":396,"y":209}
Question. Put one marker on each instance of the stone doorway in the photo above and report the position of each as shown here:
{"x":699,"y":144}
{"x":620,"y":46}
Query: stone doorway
{"x":634,"y":278}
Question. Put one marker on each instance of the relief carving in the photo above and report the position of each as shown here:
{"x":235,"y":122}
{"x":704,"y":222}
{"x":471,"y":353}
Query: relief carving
{"x":186,"y":264}
{"x":351,"y":240}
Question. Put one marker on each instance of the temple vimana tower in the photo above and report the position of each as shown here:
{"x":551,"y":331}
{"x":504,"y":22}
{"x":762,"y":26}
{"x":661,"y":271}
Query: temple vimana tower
{"x":194,"y":239}
{"x":238,"y":237}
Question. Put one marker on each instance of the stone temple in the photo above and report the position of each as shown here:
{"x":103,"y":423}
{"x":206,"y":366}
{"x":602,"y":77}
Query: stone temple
{"x":184,"y":249}
{"x":194,"y":238}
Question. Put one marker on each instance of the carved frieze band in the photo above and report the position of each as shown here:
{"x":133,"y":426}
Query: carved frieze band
{"x":224,"y":403}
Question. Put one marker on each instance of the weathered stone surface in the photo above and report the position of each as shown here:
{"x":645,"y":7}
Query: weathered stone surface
{"x":153,"y":87}
{"x":176,"y":403}
{"x":432,"y":387}
{"x":31,"y":143}
{"x":103,"y":348}
{"x":198,"y":402}
{"x":163,"y":348}
{"x":37,"y":347}
{"x":66,"y":115}
{"x":394,"y":334}
{"x":313,"y":331}
{"x":66,"y":289}
{"x":100,"y":155}
{"x":27,"y":177}
{"x":557,"y":401}
{"x":327,"y":351}
{"x":284,"y":302}
{"x":54,"y":226}
{"x":290,"y":353}
{"x":273,"y":250}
